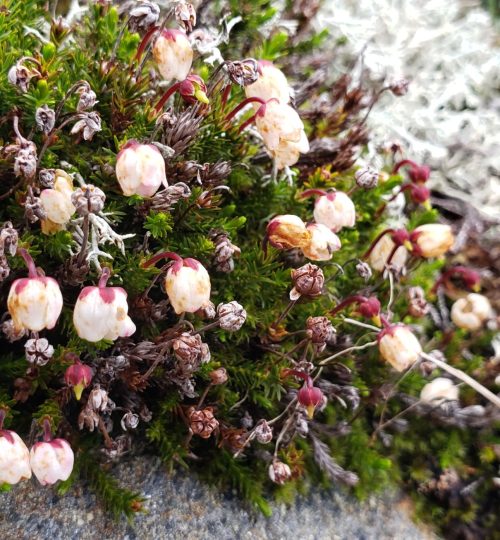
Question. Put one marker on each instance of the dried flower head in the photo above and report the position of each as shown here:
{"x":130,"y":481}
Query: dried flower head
{"x":279,"y":472}
{"x":218,"y":376}
{"x":45,"y":119}
{"x":129,"y":421}
{"x":89,"y":199}
{"x":243,"y":72}
{"x":367,"y":177}
{"x":185,"y":15}
{"x":203,"y":422}
{"x":417,"y":304}
{"x":264,"y":432}
{"x":38,"y":351}
{"x":363,"y":269}
{"x":232,"y":316}
{"x":143,"y":16}
{"x":25,"y":160}
{"x":308,"y":280}
{"x":89,"y":124}
{"x":87,"y":98}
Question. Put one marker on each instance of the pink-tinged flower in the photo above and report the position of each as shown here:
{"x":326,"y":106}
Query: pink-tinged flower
{"x":432,"y":240}
{"x":288,"y":231}
{"x":35,"y":302}
{"x":323,"y":243}
{"x":310,"y":397}
{"x":140,"y":169}
{"x":282,"y":131}
{"x":52,"y":461}
{"x":188,"y":286}
{"x":386,"y":251}
{"x":335,"y":210}
{"x":193,"y":89}
{"x":399,"y":346}
{"x":471,"y":312}
{"x":56,"y":203}
{"x":14,"y":458}
{"x":78,"y":376}
{"x":439,"y":390}
{"x":271,"y":84}
{"x":102,"y":312}
{"x":173,"y":53}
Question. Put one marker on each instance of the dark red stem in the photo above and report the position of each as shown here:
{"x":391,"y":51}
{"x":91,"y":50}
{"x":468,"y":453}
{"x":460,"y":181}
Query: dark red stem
{"x":47,"y":430}
{"x":310,"y":192}
{"x":166,"y":95}
{"x":144,"y":43}
{"x":304,"y":376}
{"x":30,"y":263}
{"x":243,"y":104}
{"x":3,"y":414}
{"x":356,"y":299}
{"x":161,"y":256}
{"x":384,"y":321}
{"x":225,"y":96}
{"x":403,"y":163}
{"x":246,"y":123}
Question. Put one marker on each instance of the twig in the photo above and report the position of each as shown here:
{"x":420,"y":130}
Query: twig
{"x":345,"y":351}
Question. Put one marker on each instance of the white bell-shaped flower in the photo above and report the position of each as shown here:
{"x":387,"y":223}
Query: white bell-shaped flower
{"x":102,"y":312}
{"x":35,"y":302}
{"x":271,"y":84}
{"x":323,"y":243}
{"x":439,"y":390}
{"x":188,"y":286}
{"x":432,"y":240}
{"x":282,"y":131}
{"x":56,"y":203}
{"x":140,"y":169}
{"x":14,"y":458}
{"x":471,"y":311}
{"x":335,"y":210}
{"x":399,"y":346}
{"x":381,"y":252}
{"x":173,"y":54}
{"x":52,"y":461}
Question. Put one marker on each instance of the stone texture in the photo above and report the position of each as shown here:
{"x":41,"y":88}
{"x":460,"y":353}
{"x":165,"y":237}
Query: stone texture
{"x":179,"y":506}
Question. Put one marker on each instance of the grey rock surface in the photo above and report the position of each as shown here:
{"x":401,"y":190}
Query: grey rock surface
{"x":179,"y":506}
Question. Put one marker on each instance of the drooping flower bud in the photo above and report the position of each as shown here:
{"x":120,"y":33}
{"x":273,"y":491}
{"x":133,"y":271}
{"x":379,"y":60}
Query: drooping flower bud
{"x":78,"y":376}
{"x":438,"y":391}
{"x":368,"y":307}
{"x":310,"y":397}
{"x":188,"y":286}
{"x":323,"y":243}
{"x":52,"y":461}
{"x":399,"y":346}
{"x":14,"y":458}
{"x":432,"y":240}
{"x":283,"y":133}
{"x":232,"y":316}
{"x":335,"y":210}
{"x":308,"y":280}
{"x":102,"y":312}
{"x":279,"y":472}
{"x":418,"y":174}
{"x":45,"y":119}
{"x":471,"y":312}
{"x":193,"y":89}
{"x":468,"y":278}
{"x":271,"y":84}
{"x":288,"y":231}
{"x":57,"y":203}
{"x":35,"y":302}
{"x":173,"y":53}
{"x":367,"y":177}
{"x":218,"y":376}
{"x":140,"y":169}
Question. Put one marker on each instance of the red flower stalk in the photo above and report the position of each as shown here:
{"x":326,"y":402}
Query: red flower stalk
{"x":309,"y":396}
{"x":418,"y":174}
{"x":469,"y":277}
{"x":369,"y":307}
